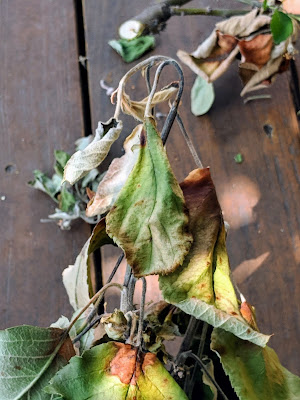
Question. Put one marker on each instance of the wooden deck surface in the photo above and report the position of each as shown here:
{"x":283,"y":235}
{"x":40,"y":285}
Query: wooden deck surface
{"x":41,"y":108}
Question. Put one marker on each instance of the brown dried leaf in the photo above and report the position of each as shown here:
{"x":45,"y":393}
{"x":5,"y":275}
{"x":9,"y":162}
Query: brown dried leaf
{"x":257,"y":50}
{"x":115,"y":177}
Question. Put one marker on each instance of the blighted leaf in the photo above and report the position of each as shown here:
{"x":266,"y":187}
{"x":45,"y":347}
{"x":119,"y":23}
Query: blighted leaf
{"x":115,"y":325}
{"x":116,"y":176}
{"x":29,"y":357}
{"x":202,"y":96}
{"x":137,"y":108}
{"x":281,"y":26}
{"x":89,"y":158}
{"x":76,"y":278}
{"x":45,"y":184}
{"x":256,"y":50}
{"x":148,"y":219}
{"x":255,"y":373}
{"x":131,"y":50}
{"x":115,"y":371}
{"x":202,"y":286}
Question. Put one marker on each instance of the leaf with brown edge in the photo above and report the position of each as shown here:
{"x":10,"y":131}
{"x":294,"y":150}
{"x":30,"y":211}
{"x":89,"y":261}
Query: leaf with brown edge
{"x":257,"y":50}
{"x":148,"y":219}
{"x":202,"y":286}
{"x":116,"y":176}
{"x":255,"y":373}
{"x":115,"y":371}
{"x":76,"y":278}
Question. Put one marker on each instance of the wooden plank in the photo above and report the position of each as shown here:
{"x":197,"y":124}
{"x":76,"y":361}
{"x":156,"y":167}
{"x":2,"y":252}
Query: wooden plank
{"x":40,"y":110}
{"x":259,"y":197}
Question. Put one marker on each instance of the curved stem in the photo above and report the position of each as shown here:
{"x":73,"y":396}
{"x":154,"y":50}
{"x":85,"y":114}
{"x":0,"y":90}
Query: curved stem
{"x":150,"y":61}
{"x":206,"y":11}
{"x":142,"y":311}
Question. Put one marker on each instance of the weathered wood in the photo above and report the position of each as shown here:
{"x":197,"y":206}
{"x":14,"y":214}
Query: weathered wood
{"x":40,"y":110}
{"x":260,"y":197}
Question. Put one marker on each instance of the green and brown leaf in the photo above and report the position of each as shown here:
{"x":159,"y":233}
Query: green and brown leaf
{"x":148,"y":219}
{"x":202,"y":286}
{"x":115,"y":371}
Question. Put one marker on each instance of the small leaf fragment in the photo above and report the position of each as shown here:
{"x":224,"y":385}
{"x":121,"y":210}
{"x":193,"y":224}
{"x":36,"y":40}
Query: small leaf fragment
{"x":67,"y":200}
{"x":83,"y":161}
{"x":45,"y":184}
{"x":148,"y":219}
{"x":281,"y":26}
{"x":202,"y":96}
{"x":255,"y":373}
{"x":29,"y":357}
{"x":238,"y":158}
{"x":61,"y":159}
{"x":115,"y":371}
{"x":131,"y":50}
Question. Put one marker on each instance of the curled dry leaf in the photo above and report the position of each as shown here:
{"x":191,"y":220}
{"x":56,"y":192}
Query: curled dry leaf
{"x":254,"y":372}
{"x":76,"y":278}
{"x":83,"y":161}
{"x":202,"y":286}
{"x":250,"y":35}
{"x":115,"y":371}
{"x":148,"y":219}
{"x":137,"y":108}
{"x":116,"y":176}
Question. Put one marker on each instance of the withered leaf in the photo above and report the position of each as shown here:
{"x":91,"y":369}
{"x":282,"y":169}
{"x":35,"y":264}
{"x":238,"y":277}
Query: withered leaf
{"x":148,"y":219}
{"x":202,"y":286}
{"x":83,"y":161}
{"x":116,"y":176}
{"x":115,"y":371}
{"x":76,"y":278}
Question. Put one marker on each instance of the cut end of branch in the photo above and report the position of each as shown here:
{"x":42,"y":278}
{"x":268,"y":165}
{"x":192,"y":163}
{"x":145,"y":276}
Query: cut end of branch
{"x":131,"y":29}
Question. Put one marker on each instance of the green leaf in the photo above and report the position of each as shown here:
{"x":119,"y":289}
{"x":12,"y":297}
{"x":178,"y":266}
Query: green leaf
{"x":61,"y":159}
{"x":202,"y":96}
{"x":202,"y":287}
{"x":255,"y":373}
{"x":76,"y":278}
{"x":238,"y":158}
{"x":67,"y":200}
{"x":45,"y":184}
{"x":148,"y":219}
{"x":281,"y":26}
{"x":29,"y":357}
{"x":115,"y":371}
{"x":131,"y":50}
{"x":83,"y":161}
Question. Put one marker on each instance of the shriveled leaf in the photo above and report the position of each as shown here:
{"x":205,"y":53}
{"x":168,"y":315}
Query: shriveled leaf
{"x":45,"y":184}
{"x":202,"y":286}
{"x":281,"y":26}
{"x":115,"y":371}
{"x":116,"y":176}
{"x":202,"y":96}
{"x":29,"y":357}
{"x":115,"y":325}
{"x":89,"y":158}
{"x":137,"y":108}
{"x":257,"y":50}
{"x":255,"y":373}
{"x":131,"y":50}
{"x":148,"y":219}
{"x":76,"y":278}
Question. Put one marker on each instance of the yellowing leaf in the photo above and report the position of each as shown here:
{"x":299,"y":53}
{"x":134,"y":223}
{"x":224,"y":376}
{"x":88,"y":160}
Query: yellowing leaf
{"x":83,"y":161}
{"x":255,"y":373}
{"x":76,"y":278}
{"x":116,"y":176}
{"x":137,"y":108}
{"x":148,"y":219}
{"x":202,"y":286}
{"x":115,"y":371}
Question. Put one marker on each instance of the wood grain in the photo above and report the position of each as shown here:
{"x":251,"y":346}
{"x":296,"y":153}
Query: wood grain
{"x":260,"y":197}
{"x":40,"y":110}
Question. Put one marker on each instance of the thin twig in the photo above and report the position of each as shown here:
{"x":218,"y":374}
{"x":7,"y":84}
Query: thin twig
{"x":124,"y":307}
{"x":188,"y":354}
{"x":142,"y":311}
{"x":189,"y":142}
{"x":206,"y":11}
{"x":257,"y":97}
{"x":87,"y":328}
